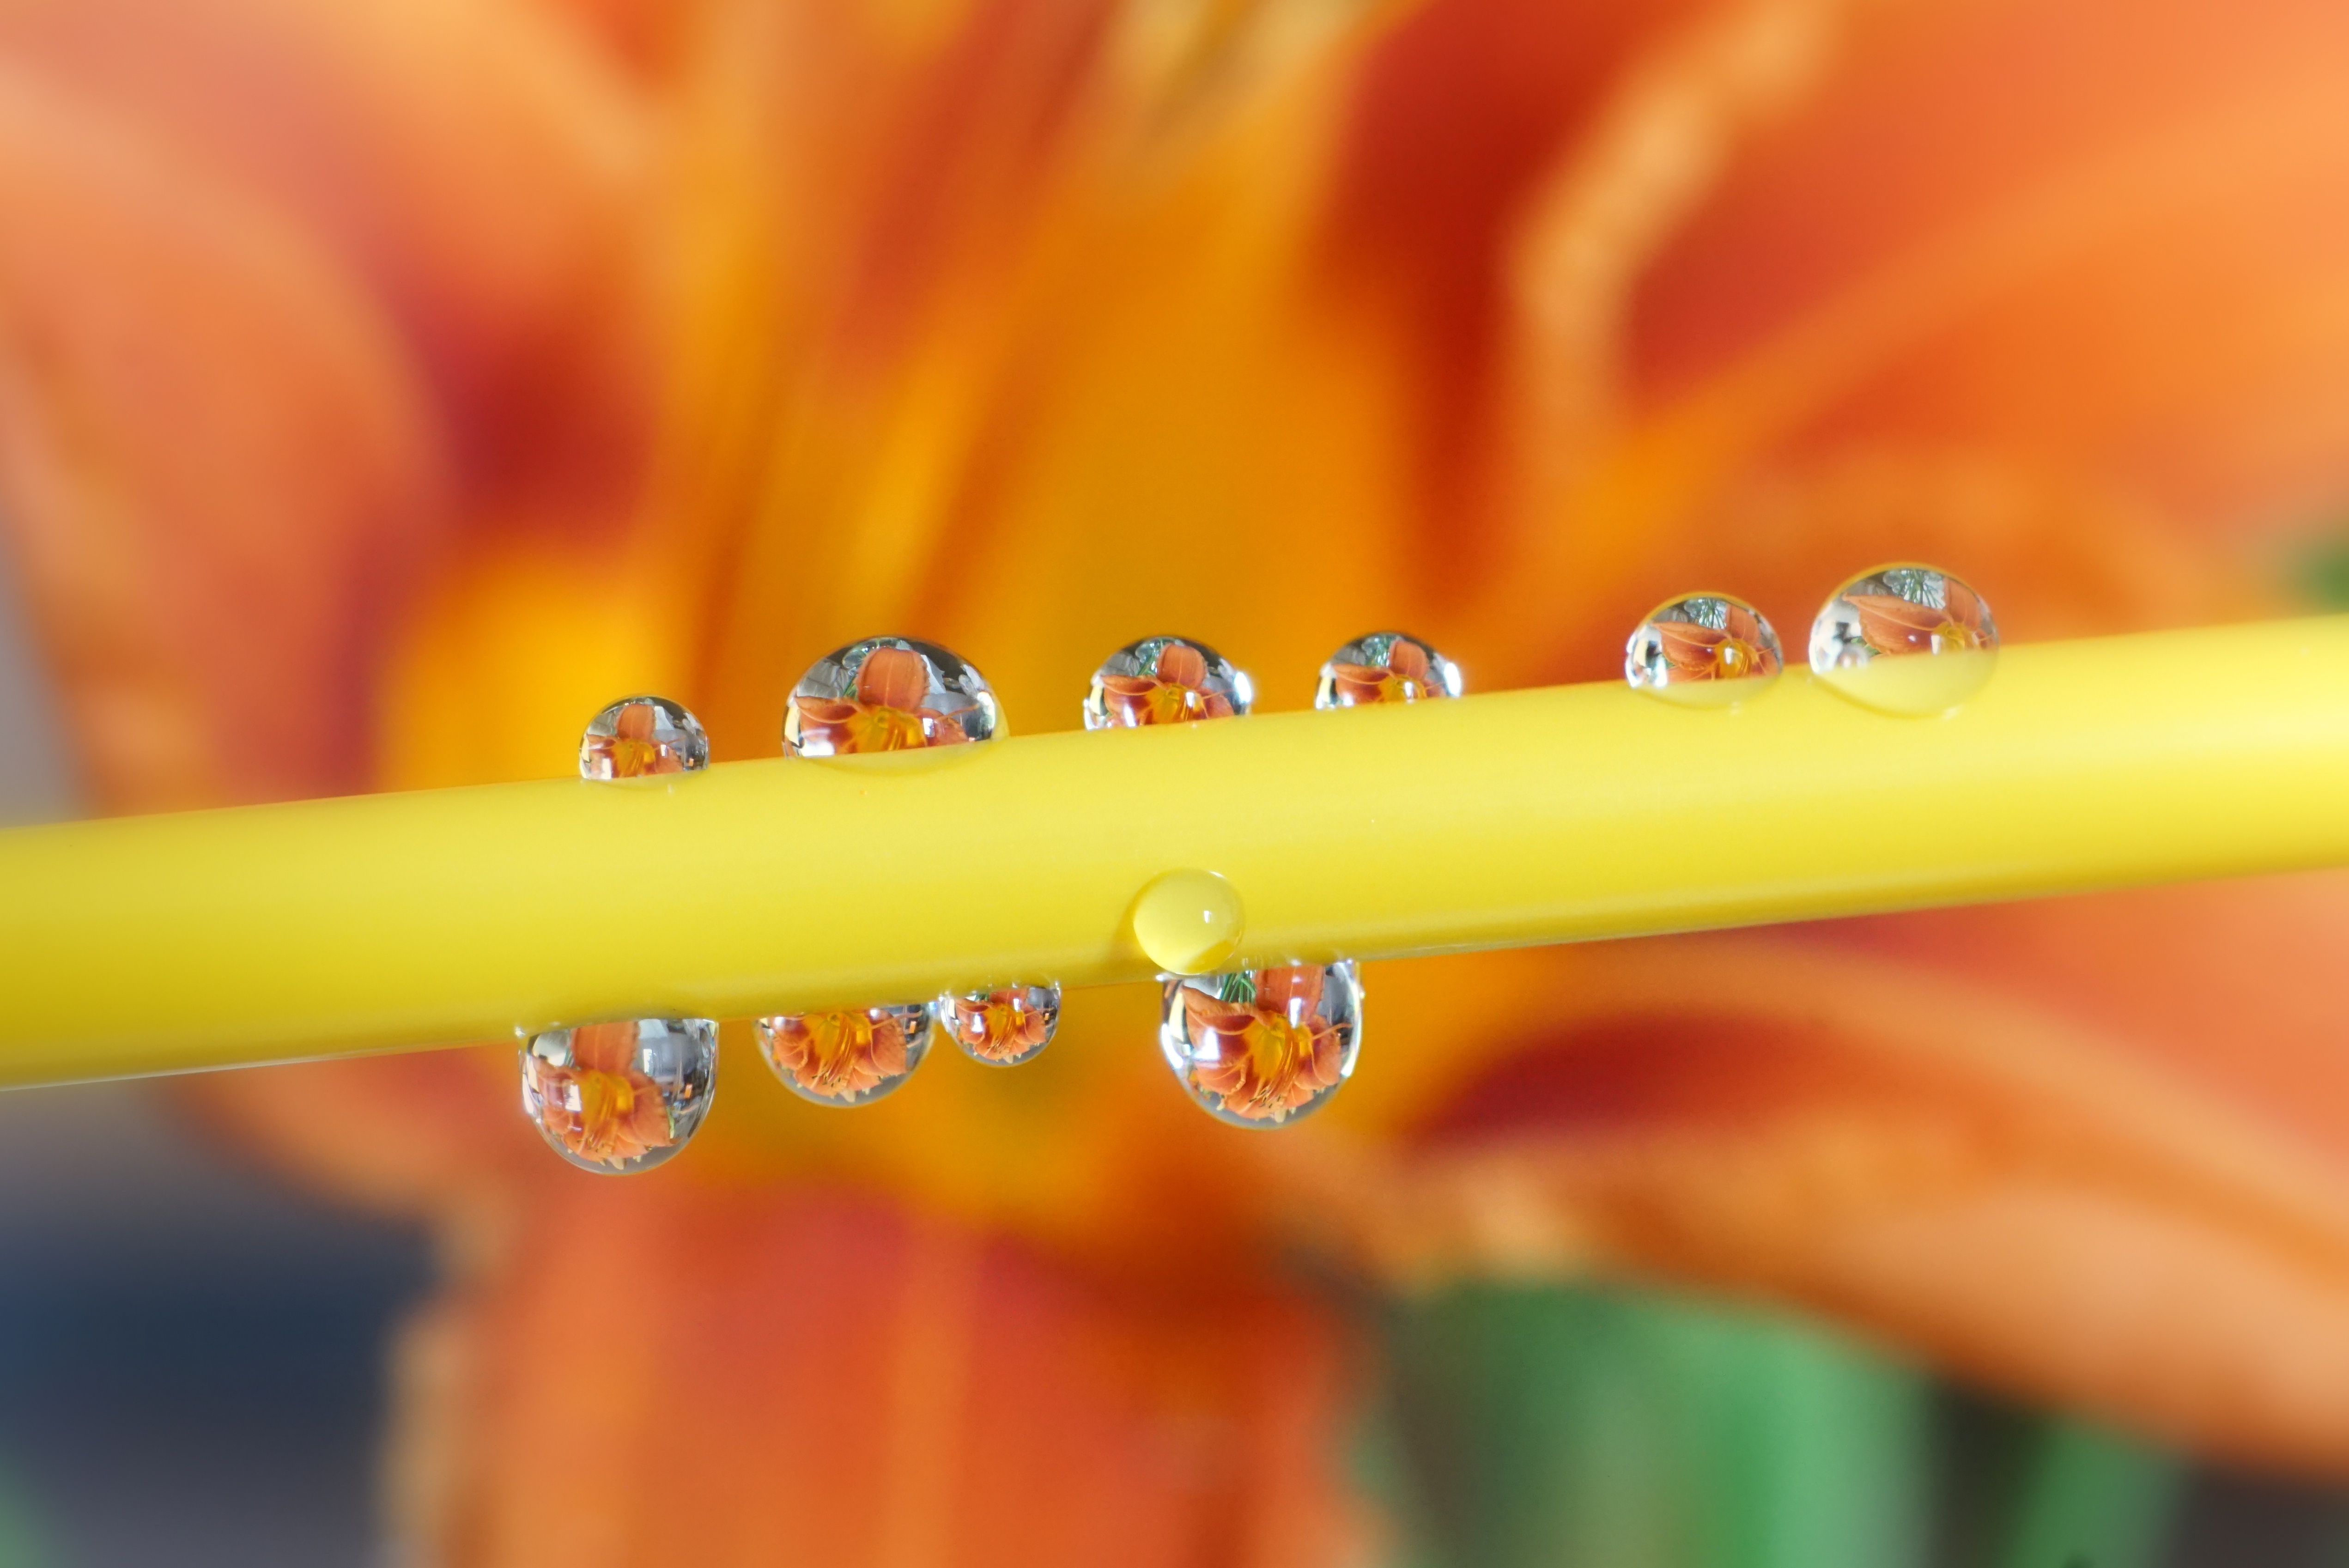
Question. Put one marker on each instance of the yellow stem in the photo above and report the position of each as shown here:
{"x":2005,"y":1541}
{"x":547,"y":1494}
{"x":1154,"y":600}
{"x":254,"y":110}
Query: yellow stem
{"x":167,"y":943}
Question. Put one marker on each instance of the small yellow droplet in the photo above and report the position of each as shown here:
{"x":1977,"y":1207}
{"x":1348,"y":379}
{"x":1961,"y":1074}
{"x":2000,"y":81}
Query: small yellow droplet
{"x":1188,"y":921}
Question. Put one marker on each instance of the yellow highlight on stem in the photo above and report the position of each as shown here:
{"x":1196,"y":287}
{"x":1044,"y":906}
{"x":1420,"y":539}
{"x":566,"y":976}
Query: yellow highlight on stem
{"x":329,"y":927}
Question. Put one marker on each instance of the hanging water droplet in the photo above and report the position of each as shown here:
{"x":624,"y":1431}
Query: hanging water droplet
{"x":1166,"y":680}
{"x":1002,"y":1027}
{"x":642,"y":737}
{"x":1259,"y":1048}
{"x":1905,"y":640}
{"x":1703,"y":650}
{"x":1385,"y":667}
{"x":848,"y":1056}
{"x":888,"y":694}
{"x":620,"y":1097}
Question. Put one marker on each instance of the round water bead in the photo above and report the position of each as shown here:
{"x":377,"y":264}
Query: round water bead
{"x":1385,"y":667}
{"x":888,"y":694}
{"x":849,"y":1055}
{"x":1905,"y":640}
{"x":1166,"y":680}
{"x":1705,"y":651}
{"x":1005,"y":1027}
{"x":642,"y":737}
{"x":620,"y":1097}
{"x":1261,"y":1047}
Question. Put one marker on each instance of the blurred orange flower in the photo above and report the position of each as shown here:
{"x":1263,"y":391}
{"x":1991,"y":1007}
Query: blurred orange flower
{"x":367,"y":364}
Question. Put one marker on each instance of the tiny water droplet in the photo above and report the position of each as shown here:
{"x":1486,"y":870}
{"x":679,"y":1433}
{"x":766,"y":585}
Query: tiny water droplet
{"x":1385,"y":667}
{"x":1188,"y":921}
{"x":847,"y":1055}
{"x":1002,"y":1027}
{"x":1166,"y":680}
{"x":1906,"y":639}
{"x":620,"y":1097}
{"x":642,"y":737}
{"x":1703,"y":650}
{"x":1259,"y":1048}
{"x":889,"y":694}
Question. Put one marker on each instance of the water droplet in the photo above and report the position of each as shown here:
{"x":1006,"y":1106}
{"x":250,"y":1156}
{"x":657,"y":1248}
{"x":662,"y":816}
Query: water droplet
{"x":1188,"y":921}
{"x":888,"y":694}
{"x":1005,"y":1027}
{"x":642,"y":737}
{"x":620,"y":1097}
{"x":1166,"y":680}
{"x":1385,"y":667}
{"x":1905,"y":640}
{"x":849,"y":1055}
{"x":1703,"y":650}
{"x":1261,"y":1047}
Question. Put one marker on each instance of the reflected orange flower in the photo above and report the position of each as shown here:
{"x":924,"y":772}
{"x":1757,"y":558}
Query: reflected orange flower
{"x":1893,"y":625}
{"x":887,"y":714}
{"x":1174,"y":692}
{"x":840,"y":1053}
{"x":1273,"y":1052}
{"x":1406,"y":676}
{"x":601,"y":1107}
{"x":1733,"y":652}
{"x":632,"y":749}
{"x":999,"y":1026}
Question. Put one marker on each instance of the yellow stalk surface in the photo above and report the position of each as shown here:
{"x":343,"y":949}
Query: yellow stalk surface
{"x":168,"y":943}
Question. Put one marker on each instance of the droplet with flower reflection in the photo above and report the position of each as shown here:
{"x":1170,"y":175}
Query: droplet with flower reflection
{"x":1708,"y":650}
{"x":1003,"y":1027}
{"x":1166,"y":680}
{"x":1906,"y":639}
{"x":1385,"y":667}
{"x":620,"y":1097}
{"x":1259,"y":1048}
{"x":642,"y":737}
{"x":888,"y":694}
{"x":846,"y":1056}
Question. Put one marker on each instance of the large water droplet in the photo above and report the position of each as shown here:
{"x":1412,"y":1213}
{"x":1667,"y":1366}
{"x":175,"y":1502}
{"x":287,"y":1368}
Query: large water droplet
{"x":1188,"y":921}
{"x":620,"y":1097}
{"x":888,"y":694}
{"x":1385,"y":667}
{"x":1002,"y":1027}
{"x":642,"y":737}
{"x":1259,"y":1048}
{"x":1703,"y":650}
{"x":848,"y":1056}
{"x":1166,"y":680}
{"x":1905,"y":640}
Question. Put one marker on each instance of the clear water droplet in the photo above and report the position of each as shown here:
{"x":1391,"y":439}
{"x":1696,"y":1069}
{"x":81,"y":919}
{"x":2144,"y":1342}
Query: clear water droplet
{"x":1166,"y":680}
{"x":1385,"y":667}
{"x":1188,"y":921}
{"x":1259,"y":1048}
{"x":620,"y":1097}
{"x":1002,"y":1027}
{"x":642,"y":737}
{"x":1905,"y":640}
{"x":847,"y":1055}
{"x":889,"y":694}
{"x":1703,"y":650}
